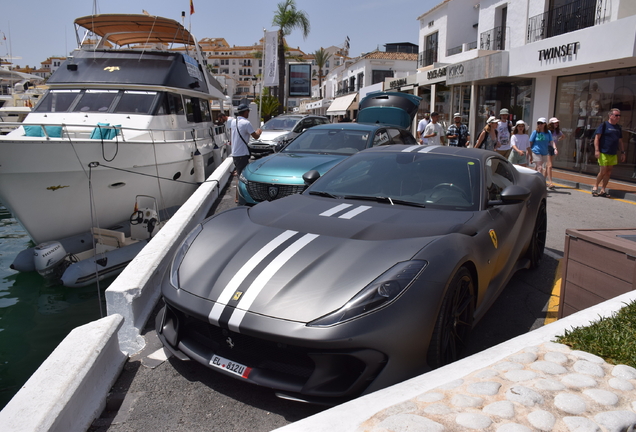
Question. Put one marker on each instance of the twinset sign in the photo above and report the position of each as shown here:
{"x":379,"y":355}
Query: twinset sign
{"x":565,"y":50}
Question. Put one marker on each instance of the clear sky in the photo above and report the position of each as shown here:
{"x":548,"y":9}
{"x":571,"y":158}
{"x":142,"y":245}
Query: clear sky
{"x":38,"y":29}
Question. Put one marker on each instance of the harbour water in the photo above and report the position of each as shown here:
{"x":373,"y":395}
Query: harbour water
{"x":34,"y":316}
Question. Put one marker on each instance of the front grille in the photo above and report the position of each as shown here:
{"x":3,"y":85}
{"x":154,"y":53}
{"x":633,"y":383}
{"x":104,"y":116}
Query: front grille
{"x":269,"y":191}
{"x":249,"y":350}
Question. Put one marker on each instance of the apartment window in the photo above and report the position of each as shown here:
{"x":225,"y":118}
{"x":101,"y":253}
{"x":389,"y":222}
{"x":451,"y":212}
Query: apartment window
{"x":380,"y":75}
{"x":429,"y":56}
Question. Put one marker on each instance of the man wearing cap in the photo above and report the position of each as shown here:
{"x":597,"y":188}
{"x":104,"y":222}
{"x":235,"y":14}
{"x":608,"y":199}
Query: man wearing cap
{"x":434,"y":131}
{"x":241,"y":130}
{"x":457,"y":133}
{"x":504,"y":129}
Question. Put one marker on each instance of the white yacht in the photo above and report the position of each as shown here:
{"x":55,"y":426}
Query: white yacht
{"x":128,"y":117}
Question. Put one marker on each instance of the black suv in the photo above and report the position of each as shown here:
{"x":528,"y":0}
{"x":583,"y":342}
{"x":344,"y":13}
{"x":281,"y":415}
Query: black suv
{"x":281,"y":129}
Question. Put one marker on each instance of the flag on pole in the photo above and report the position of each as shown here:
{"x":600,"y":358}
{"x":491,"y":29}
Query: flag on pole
{"x":191,"y":7}
{"x":271,"y":59}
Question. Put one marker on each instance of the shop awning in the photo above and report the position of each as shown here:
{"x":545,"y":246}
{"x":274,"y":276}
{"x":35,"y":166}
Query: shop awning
{"x":341,"y":105}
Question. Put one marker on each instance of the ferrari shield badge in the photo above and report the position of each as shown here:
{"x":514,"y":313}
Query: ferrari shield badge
{"x":237,"y":295}
{"x":493,"y":237}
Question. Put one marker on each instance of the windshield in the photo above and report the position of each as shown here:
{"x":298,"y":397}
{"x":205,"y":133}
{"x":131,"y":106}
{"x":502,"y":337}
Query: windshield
{"x":420,"y":179}
{"x":317,"y":140}
{"x":281,"y":123}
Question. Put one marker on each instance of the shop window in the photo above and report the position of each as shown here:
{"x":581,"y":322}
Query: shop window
{"x":582,"y":104}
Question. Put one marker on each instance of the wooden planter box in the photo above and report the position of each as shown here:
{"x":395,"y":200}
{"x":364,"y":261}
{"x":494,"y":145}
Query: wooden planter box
{"x":598,"y":265}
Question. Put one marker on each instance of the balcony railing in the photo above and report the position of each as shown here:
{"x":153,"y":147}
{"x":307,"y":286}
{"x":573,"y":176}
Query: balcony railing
{"x":471,"y":46}
{"x":428,"y":57}
{"x":493,"y":40}
{"x":565,"y":19}
{"x":453,"y":51}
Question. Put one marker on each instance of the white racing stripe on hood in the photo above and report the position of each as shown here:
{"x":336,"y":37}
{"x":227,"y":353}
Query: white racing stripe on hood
{"x":239,"y":277}
{"x":411,"y":148}
{"x":334,"y":210}
{"x":354,"y":212}
{"x":429,"y":148}
{"x":261,"y":280}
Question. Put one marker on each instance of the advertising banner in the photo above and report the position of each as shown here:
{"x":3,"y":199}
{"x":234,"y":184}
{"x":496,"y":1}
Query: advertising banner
{"x":270,"y":78}
{"x":299,"y":79}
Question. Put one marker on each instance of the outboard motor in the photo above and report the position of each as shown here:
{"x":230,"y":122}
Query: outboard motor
{"x":50,"y":260}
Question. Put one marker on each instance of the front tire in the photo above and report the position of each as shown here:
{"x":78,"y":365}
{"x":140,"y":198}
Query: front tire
{"x":454,"y":321}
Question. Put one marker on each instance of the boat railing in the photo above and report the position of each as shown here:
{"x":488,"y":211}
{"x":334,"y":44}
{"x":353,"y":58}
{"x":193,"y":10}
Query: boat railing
{"x":115,"y":133}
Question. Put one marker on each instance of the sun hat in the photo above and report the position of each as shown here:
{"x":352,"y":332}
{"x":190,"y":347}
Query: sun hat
{"x":541,"y":120}
{"x":554,"y":120}
{"x":492,"y":119}
{"x":242,"y":107}
{"x":457,"y":115}
{"x":520,"y":122}
{"x":503,"y":111}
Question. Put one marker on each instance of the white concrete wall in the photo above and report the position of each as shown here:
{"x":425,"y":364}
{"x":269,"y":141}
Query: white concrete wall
{"x":69,"y":389}
{"x":136,"y":290}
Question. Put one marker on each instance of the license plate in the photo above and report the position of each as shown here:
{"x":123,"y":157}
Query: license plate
{"x":230,"y":366}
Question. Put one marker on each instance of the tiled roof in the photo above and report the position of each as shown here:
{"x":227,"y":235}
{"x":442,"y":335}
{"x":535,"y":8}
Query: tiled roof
{"x":382,"y":55}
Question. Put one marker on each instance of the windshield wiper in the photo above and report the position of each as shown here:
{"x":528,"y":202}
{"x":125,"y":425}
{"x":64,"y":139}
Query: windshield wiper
{"x":322,"y":194}
{"x":384,"y":199}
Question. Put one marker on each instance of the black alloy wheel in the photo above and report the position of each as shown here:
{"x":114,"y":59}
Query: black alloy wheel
{"x":454,"y":321}
{"x":537,"y":243}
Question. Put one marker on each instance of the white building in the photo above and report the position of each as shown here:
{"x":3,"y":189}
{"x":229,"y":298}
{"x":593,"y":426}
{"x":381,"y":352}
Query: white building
{"x":346,"y":84}
{"x":538,"y":58}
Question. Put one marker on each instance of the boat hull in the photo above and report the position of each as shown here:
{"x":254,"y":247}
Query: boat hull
{"x":49,"y":186}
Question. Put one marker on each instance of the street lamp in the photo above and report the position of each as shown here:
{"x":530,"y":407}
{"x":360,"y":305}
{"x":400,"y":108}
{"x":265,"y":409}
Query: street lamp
{"x":254,"y":87}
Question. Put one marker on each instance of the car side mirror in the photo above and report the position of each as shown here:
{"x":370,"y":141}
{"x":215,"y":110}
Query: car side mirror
{"x":310,"y":177}
{"x":513,"y":194}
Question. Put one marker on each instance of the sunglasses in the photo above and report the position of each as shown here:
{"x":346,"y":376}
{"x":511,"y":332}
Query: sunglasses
{"x":540,"y":122}
{"x":616,"y":115}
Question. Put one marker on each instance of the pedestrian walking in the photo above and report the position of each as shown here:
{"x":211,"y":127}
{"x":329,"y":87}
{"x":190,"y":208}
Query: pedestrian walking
{"x":434,"y":131}
{"x":540,"y":140}
{"x":557,"y":135}
{"x":608,"y":141}
{"x":457,"y":134}
{"x":519,"y":145}
{"x":487,"y":139}
{"x":241,"y":130}
{"x":420,"y":128}
{"x":504,"y":130}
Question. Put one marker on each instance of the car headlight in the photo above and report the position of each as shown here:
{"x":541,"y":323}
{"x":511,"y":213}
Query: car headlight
{"x":180,"y":254}
{"x":242,"y":179}
{"x":379,"y":293}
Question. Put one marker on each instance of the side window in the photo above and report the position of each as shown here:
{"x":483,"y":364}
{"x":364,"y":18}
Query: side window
{"x":498,"y":176}
{"x":175,"y":104}
{"x":381,"y":137}
{"x":407,"y":137}
{"x":396,"y":137}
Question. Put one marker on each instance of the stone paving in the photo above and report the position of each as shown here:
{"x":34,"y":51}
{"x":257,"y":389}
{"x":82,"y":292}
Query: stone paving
{"x":548,"y":388}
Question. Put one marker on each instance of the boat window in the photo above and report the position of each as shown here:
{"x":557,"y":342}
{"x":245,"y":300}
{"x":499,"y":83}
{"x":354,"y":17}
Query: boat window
{"x":175,"y":104}
{"x":57,"y":101}
{"x":135,"y":102}
{"x":206,"y":116}
{"x":96,"y":101}
{"x":193,"y":108}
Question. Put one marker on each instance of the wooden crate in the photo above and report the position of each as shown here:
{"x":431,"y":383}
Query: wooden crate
{"x":598,"y":265}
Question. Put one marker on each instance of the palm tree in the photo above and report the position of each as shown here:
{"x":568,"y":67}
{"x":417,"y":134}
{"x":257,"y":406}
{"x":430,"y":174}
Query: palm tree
{"x":287,"y":18}
{"x":322,"y":57}
{"x":268,"y":104}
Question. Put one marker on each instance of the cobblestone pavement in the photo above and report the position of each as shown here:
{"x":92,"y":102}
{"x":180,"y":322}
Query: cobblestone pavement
{"x":548,"y":388}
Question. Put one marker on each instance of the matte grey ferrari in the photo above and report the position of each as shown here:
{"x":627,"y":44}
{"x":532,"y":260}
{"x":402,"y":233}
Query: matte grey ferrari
{"x":374,"y":274}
